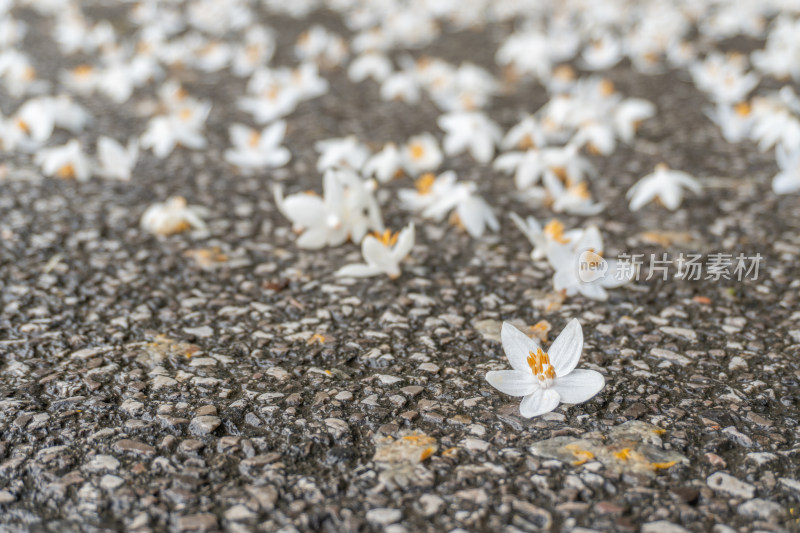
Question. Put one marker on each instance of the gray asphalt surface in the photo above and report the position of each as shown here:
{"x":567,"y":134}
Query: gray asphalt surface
{"x":141,"y":391}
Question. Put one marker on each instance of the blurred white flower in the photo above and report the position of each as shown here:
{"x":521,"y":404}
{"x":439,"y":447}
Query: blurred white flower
{"x":470,"y":131}
{"x":421,"y":153}
{"x":253,"y":149}
{"x":115,"y":161}
{"x":343,"y":152}
{"x":173,"y":216}
{"x":382,"y":253}
{"x":788,"y":179}
{"x":665,"y":185}
{"x":66,"y":162}
{"x":384,"y":165}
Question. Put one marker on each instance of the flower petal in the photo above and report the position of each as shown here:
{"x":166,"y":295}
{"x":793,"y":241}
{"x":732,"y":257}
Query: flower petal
{"x":579,"y":385}
{"x":512,"y":382}
{"x":517,"y":346}
{"x":540,"y":402}
{"x":357,"y":271}
{"x":566,"y":349}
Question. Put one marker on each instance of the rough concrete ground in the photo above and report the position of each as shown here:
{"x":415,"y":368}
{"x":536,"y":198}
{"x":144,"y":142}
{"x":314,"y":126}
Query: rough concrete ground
{"x":141,"y":391}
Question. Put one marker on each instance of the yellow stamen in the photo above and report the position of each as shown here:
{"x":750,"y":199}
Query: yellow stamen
{"x":564,"y":73}
{"x":316,"y":337}
{"x":555,"y":230}
{"x":742,"y":109}
{"x":424,"y":183}
{"x":606,"y":87}
{"x":427,"y":452}
{"x":662,"y":466}
{"x":581,"y":190}
{"x":560,"y":172}
{"x":82,"y":71}
{"x":66,"y":172}
{"x":417,"y":151}
{"x":527,"y":143}
{"x":254,"y":139}
{"x":540,"y":330}
{"x":386,"y":238}
{"x":623,"y":455}
{"x":185,"y":114}
{"x":580,"y":454}
{"x":539,"y":364}
{"x":21,"y":124}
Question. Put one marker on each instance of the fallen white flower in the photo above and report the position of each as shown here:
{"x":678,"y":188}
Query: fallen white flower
{"x":543,"y":379}
{"x":173,"y":216}
{"x":382,"y":253}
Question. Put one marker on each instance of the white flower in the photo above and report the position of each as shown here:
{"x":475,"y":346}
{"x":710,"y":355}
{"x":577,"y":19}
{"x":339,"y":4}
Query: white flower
{"x":735,"y":121}
{"x":347,"y":209}
{"x":541,"y":237}
{"x":253,"y":149}
{"x":344,"y":152}
{"x":528,"y":133}
{"x":114,"y":160}
{"x":788,"y":179}
{"x":724,"y":78}
{"x":574,"y":199}
{"x":663,"y":184}
{"x":545,"y":379}
{"x":65,"y":162}
{"x":527,"y":167}
{"x":628,"y":114}
{"x":402,"y":86}
{"x":470,"y":131}
{"x":603,"y":53}
{"x":436,"y":197}
{"x":421,"y":153}
{"x":566,"y":259}
{"x":384,"y":165}
{"x":382,"y":253}
{"x":369,"y":65}
{"x":173,"y":216}
{"x":182,"y":125}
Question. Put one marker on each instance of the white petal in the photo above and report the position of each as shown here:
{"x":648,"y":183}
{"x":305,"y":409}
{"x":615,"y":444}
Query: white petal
{"x":377,"y":254}
{"x":313,"y":239}
{"x":566,"y":349}
{"x":305,"y":210}
{"x":405,"y":241}
{"x":512,"y":382}
{"x":593,"y":290}
{"x":517,"y":346}
{"x":540,"y":402}
{"x":579,"y":385}
{"x":358,"y":271}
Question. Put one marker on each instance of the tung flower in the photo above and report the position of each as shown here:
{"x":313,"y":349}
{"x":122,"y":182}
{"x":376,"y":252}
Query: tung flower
{"x":545,"y":379}
{"x":382,"y":253}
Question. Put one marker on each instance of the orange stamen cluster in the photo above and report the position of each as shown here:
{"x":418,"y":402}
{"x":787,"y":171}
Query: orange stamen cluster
{"x":254,"y":139}
{"x":555,"y":230}
{"x":424,"y":183}
{"x":417,"y":151}
{"x":386,"y":238}
{"x":539,"y":363}
{"x":742,"y":109}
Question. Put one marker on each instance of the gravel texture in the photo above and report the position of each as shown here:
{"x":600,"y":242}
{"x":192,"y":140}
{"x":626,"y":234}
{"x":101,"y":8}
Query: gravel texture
{"x":144,"y":390}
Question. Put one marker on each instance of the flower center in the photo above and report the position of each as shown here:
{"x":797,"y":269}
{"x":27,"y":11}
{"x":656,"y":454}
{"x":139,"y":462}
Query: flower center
{"x":386,"y":238}
{"x":425,"y":183}
{"x":539,"y":364}
{"x":417,"y":151}
{"x":742,"y":109}
{"x":66,"y":172}
{"x":254,"y":139}
{"x":555,"y":230}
